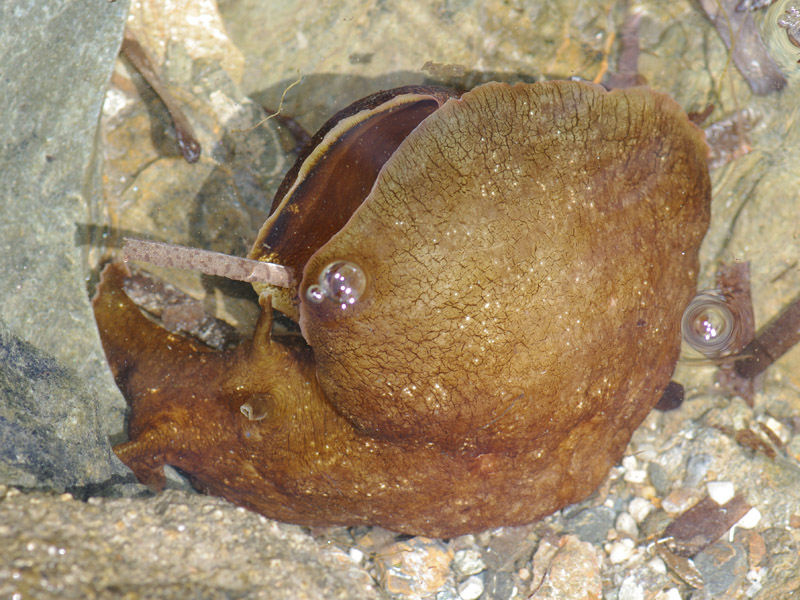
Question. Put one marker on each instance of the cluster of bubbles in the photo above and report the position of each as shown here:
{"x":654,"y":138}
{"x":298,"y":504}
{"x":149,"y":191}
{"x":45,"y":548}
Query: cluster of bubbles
{"x":342,"y":282}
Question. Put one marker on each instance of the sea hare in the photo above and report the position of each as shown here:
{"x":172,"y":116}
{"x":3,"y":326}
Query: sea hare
{"x":494,"y":311}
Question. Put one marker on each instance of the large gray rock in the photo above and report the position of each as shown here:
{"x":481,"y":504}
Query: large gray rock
{"x":58,"y":402}
{"x":48,"y":421}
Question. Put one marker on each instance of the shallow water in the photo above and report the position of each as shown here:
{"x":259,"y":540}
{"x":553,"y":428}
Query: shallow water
{"x":346,"y":50}
{"x":312,"y":61}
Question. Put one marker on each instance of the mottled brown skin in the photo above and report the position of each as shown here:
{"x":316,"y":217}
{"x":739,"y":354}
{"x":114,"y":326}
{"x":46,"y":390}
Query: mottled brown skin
{"x":529,"y":252}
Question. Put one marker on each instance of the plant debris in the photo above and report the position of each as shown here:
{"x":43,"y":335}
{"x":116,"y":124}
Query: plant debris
{"x":138,"y":57}
{"x":702,"y":525}
{"x":738,"y":30}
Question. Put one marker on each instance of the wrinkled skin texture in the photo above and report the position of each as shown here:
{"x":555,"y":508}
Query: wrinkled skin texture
{"x":529,"y":252}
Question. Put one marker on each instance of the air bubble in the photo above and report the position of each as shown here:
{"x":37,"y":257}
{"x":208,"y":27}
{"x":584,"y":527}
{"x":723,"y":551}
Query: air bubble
{"x":255,"y":409}
{"x":315,"y":294}
{"x":709,"y":325}
{"x":342,"y":282}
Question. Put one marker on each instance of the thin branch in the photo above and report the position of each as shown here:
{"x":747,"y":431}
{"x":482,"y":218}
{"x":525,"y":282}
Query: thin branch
{"x":207,"y":262}
{"x":137,"y":55}
{"x":772,"y":342}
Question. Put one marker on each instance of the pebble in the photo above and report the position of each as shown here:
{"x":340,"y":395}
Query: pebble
{"x":499,"y":585}
{"x":471,"y":541}
{"x":356,"y":555}
{"x":415,"y":567}
{"x":755,"y":545}
{"x":750,"y":519}
{"x":654,"y":524}
{"x":793,"y":448}
{"x":631,"y":589}
{"x":754,"y":577}
{"x":374,"y":539}
{"x":790,"y":21}
{"x":621,"y":551}
{"x":592,"y":524}
{"x":670,"y":594}
{"x":468,"y":562}
{"x":723,"y":567}
{"x":680,"y":500}
{"x":720,"y":491}
{"x":659,"y":478}
{"x":471,"y":588}
{"x":633,"y":472}
{"x":646,"y":452}
{"x":635,"y":476}
{"x":657,"y":565}
{"x":629,"y":463}
{"x":754,"y":589}
{"x":626,"y":525}
{"x":639,"y":508}
{"x":640,"y":583}
{"x":696,"y":468}
{"x":509,"y":544}
{"x":571,"y":572}
{"x":446,"y":593}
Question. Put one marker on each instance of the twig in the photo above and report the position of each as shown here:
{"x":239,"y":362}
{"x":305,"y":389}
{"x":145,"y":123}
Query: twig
{"x":772,"y":342}
{"x":207,"y":262}
{"x":137,"y":55}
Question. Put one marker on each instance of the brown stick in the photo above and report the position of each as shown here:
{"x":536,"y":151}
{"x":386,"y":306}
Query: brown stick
{"x":772,"y":343}
{"x":207,"y":262}
{"x":137,"y":55}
